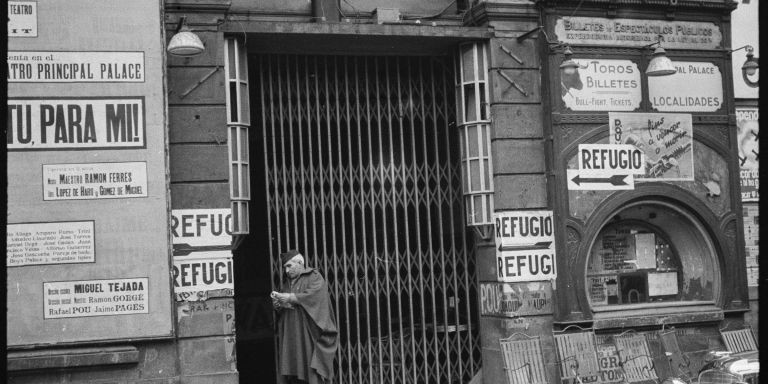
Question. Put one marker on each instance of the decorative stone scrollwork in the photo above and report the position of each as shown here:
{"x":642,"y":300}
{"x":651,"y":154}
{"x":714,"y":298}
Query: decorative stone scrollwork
{"x":573,"y":240}
{"x":729,"y":231}
{"x":567,"y":131}
{"x":584,"y":118}
{"x":723,"y":131}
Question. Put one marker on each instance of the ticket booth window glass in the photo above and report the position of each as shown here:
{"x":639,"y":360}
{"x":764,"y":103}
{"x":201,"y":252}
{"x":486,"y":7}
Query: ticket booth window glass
{"x":651,"y":253}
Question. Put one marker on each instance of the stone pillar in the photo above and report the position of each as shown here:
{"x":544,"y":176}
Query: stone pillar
{"x":520,"y":148}
{"x":199,"y":179}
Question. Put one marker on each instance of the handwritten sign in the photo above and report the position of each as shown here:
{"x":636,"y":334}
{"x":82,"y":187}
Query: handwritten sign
{"x":22,"y":19}
{"x":202,"y":227}
{"x":75,"y":123}
{"x":665,"y":138}
{"x":513,"y":300}
{"x":637,"y":32}
{"x":88,"y":298}
{"x":598,"y":288}
{"x":696,"y":87}
{"x":602,"y":85}
{"x":50,"y":243}
{"x":747,"y":134}
{"x":93,"y":181}
{"x":75,"y":67}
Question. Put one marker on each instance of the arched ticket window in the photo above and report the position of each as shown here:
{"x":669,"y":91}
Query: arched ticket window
{"x":651,"y":253}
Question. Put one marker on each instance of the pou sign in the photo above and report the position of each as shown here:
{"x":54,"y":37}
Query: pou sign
{"x":525,"y":246}
{"x":75,"y":123}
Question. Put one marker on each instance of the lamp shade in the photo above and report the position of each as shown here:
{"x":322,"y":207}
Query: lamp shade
{"x":568,"y":66}
{"x":185,"y":43}
{"x":660,"y":64}
{"x":750,"y":67}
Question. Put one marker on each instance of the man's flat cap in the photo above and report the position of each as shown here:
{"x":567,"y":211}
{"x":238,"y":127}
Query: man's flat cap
{"x":285,"y":256}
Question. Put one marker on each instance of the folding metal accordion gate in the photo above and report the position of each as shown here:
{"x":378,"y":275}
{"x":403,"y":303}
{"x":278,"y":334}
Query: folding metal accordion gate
{"x":362,"y":175}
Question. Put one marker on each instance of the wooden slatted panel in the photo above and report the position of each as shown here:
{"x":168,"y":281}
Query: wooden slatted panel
{"x":740,"y":340}
{"x":523,"y":361}
{"x":635,"y":358}
{"x":577,"y":348}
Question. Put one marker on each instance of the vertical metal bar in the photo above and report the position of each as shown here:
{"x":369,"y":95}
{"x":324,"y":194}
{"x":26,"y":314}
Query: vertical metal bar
{"x":275,"y":170}
{"x":435,"y":141}
{"x":393,"y":201}
{"x":404,"y":169}
{"x":453,"y":255}
{"x":342,"y":204}
{"x":283,"y":168}
{"x":332,"y":205}
{"x":350,"y":168}
{"x":444,"y":254}
{"x":374,"y":200}
{"x":418,"y":216}
{"x":318,"y":166}
{"x":363,"y":201}
{"x":267,"y":184}
{"x":291,"y":169}
{"x":303,"y":247}
{"x":385,"y":237}
{"x":311,"y":166}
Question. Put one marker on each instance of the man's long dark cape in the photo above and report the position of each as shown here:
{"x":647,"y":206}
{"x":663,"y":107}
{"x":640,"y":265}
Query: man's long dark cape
{"x":308,"y":334}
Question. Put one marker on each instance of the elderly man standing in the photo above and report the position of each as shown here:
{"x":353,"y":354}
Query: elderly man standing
{"x":306,"y":323}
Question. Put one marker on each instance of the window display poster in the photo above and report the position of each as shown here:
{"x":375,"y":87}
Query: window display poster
{"x":50,"y":243}
{"x":93,"y":181}
{"x":751,"y":240}
{"x":598,"y":289}
{"x":645,"y":250}
{"x":665,"y":138}
{"x":747,"y":137}
{"x":88,"y":298}
{"x":662,"y":283}
{"x":615,"y":249}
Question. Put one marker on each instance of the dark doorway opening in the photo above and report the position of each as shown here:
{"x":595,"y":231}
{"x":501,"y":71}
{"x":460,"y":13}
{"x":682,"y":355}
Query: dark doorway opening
{"x":354,"y":161}
{"x":253,"y":307}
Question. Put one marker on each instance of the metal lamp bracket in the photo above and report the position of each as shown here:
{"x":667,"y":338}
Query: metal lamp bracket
{"x":182,"y":21}
{"x":200,"y":82}
{"x":512,"y":55}
{"x":514,"y":84}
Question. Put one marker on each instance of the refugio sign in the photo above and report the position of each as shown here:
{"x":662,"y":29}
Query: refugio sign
{"x":525,"y":246}
{"x":201,"y":227}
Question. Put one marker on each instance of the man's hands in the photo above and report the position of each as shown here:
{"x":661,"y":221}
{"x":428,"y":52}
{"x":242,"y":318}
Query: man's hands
{"x":281,"y":300}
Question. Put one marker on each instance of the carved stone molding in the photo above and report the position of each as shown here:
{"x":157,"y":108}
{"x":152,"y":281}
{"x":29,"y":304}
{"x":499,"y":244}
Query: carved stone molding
{"x":573,"y":240}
